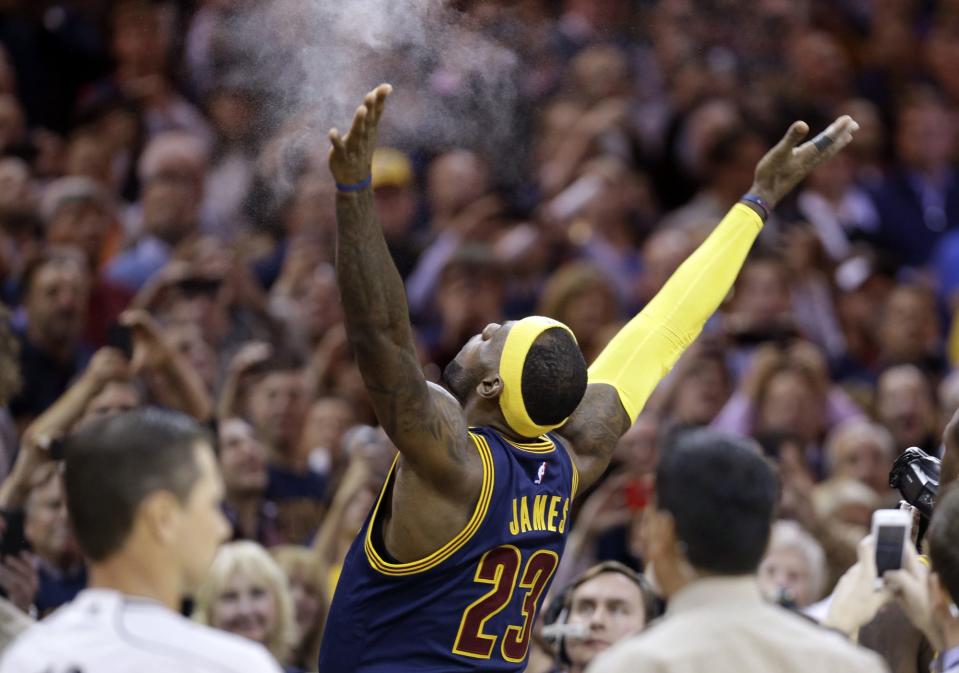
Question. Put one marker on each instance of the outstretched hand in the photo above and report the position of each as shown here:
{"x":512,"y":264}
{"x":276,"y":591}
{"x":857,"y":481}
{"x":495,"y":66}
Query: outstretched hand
{"x":858,"y":595}
{"x":351,"y":156}
{"x":910,"y":587}
{"x":788,"y":163}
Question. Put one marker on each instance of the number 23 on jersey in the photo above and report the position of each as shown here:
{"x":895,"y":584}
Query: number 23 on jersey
{"x":500,"y":567}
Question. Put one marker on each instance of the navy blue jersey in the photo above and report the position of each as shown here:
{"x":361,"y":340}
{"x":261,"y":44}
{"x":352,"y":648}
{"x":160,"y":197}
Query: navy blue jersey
{"x":471,"y":605}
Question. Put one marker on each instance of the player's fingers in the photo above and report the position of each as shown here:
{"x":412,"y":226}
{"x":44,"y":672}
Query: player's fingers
{"x":358,"y":129}
{"x":381,"y":92}
{"x":836,"y":136}
{"x":369,"y":102}
{"x":337,"y":141}
{"x":797,"y":131}
{"x":827,"y":146}
{"x":841,"y":126}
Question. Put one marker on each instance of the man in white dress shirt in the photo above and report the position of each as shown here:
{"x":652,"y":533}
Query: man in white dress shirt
{"x":144,"y":496}
{"x":704,"y":538}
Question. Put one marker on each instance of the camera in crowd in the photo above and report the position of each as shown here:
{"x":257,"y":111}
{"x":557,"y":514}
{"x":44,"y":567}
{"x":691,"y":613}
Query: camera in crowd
{"x":916,"y":476}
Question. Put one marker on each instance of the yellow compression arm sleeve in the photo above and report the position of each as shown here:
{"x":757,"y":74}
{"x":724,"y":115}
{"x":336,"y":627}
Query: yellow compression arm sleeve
{"x":644,"y":351}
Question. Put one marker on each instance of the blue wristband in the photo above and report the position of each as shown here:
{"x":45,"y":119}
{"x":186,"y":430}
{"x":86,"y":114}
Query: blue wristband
{"x":356,"y":186}
{"x":759,"y":202}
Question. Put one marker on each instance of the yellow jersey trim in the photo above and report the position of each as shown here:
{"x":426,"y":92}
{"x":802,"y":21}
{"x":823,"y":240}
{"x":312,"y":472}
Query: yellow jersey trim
{"x":575,"y":486}
{"x":451,"y":547}
{"x":543,"y":445}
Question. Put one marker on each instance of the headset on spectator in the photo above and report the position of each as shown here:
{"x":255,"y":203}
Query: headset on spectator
{"x":557,"y":628}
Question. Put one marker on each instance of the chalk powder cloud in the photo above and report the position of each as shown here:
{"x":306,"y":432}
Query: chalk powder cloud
{"x":314,"y":59}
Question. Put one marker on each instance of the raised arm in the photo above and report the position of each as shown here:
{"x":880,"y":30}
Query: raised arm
{"x":629,"y":368}
{"x":107,"y":364}
{"x":425,"y":423}
{"x":173,"y":382}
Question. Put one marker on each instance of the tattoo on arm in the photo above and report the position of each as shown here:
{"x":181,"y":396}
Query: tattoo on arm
{"x":377,"y":323}
{"x":595,"y":428}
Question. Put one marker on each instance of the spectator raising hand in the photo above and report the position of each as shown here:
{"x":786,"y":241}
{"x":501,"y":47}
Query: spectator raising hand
{"x":859,"y":594}
{"x":19,"y":579}
{"x":174,"y":382}
{"x":910,"y":587}
{"x":177,"y":230}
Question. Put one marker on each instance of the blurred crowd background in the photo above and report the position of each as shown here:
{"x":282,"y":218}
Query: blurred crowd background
{"x":141,"y":186}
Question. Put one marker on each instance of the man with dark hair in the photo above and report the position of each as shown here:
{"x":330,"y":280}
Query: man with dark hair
{"x":704,"y":537}
{"x":144,"y":496}
{"x":55,"y":294}
{"x":275,"y":403}
{"x":243,"y":465}
{"x":452,"y":564}
{"x":78,"y":212}
{"x":274,"y":400}
{"x":918,"y":198}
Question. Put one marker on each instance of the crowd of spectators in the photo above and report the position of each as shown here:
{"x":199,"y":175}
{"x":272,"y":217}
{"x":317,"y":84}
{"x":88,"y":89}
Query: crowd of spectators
{"x":139,"y":196}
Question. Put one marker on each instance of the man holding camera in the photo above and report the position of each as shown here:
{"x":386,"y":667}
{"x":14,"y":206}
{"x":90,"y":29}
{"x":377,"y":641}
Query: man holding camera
{"x":929,"y":595}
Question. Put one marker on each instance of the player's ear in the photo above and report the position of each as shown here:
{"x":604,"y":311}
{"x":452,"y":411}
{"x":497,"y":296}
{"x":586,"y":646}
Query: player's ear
{"x":490,"y":387}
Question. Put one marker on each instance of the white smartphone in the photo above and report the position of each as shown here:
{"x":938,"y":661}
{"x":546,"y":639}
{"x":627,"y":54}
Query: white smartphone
{"x":890,"y":530}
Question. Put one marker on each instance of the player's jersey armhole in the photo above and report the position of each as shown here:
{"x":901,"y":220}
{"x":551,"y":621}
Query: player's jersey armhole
{"x":574,"y":488}
{"x":381,"y":565}
{"x":571,"y":456}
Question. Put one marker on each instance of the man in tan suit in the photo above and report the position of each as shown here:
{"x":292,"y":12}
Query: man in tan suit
{"x":704,"y":538}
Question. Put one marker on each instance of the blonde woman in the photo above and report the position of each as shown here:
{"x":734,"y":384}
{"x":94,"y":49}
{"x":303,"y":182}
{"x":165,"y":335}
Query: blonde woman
{"x":246,"y":594}
{"x":306,"y":576}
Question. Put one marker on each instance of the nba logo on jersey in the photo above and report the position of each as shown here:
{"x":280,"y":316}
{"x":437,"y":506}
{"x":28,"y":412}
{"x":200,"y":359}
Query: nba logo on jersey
{"x":540,"y":473}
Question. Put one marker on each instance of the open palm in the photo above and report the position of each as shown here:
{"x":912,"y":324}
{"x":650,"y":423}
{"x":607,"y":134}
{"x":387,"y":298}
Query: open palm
{"x":352,"y":155}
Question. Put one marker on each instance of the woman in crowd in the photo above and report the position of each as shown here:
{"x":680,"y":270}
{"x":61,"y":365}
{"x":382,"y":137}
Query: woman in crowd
{"x":306,"y":577}
{"x":247,"y":594}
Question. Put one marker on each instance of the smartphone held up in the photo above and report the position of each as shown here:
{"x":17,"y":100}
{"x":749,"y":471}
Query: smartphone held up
{"x":890,"y":530}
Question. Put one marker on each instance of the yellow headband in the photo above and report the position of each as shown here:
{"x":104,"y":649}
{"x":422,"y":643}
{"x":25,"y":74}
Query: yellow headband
{"x":518,"y":342}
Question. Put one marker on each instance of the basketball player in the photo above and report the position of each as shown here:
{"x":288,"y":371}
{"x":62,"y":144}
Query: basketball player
{"x":457,"y":553}
{"x":144,"y":497}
